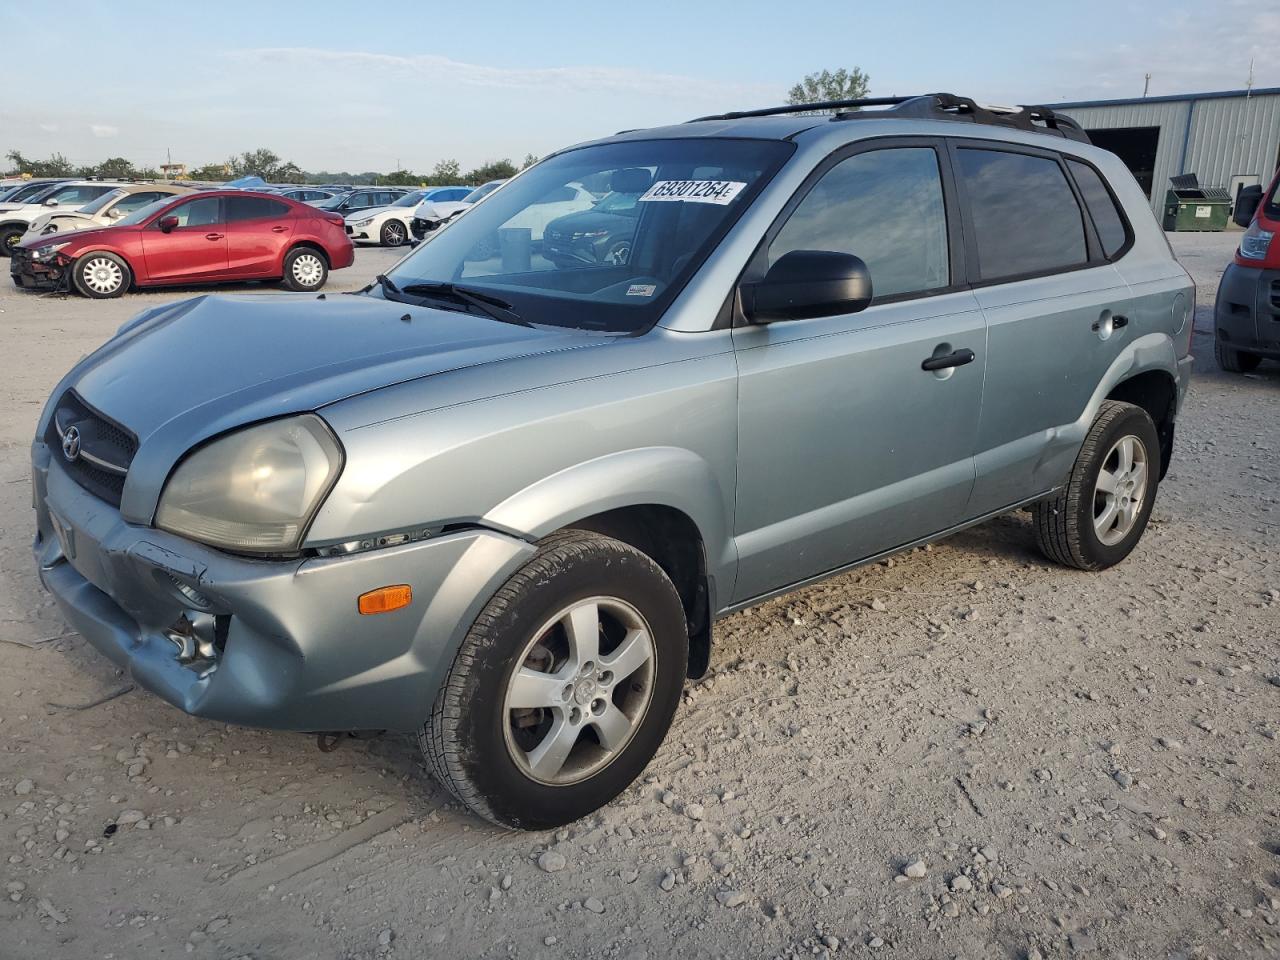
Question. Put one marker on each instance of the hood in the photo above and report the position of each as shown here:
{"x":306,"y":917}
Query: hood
{"x":438,"y":208}
{"x":63,"y":221}
{"x":83,"y":230}
{"x":191,"y":370}
{"x":368,"y":212}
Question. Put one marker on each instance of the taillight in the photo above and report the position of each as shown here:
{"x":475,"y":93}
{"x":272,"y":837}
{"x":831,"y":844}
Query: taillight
{"x":336,"y":221}
{"x":1256,"y":242}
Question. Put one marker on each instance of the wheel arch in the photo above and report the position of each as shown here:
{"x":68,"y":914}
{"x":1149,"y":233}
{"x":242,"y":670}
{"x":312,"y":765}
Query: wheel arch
{"x":664,"y":501}
{"x":76,"y":260}
{"x":1146,"y":375}
{"x":1155,"y":391}
{"x":310,"y":244}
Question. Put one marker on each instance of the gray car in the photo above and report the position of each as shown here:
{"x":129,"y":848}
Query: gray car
{"x":498,"y":501}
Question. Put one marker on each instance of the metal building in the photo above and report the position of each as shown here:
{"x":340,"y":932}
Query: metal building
{"x":1227,"y":139}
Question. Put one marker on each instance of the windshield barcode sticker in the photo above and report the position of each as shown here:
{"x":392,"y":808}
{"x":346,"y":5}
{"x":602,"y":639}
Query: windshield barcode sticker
{"x":693,"y":191}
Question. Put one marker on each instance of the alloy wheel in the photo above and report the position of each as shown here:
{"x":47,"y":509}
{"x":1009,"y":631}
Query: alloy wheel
{"x":581,"y":691}
{"x":1120,"y":490}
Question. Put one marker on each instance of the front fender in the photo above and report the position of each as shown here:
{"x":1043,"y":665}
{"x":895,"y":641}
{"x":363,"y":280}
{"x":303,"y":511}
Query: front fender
{"x":658,"y":476}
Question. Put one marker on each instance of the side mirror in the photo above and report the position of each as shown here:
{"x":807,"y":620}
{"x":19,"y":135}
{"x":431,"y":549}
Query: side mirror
{"x":51,"y":202}
{"x":808,"y":283}
{"x":167,"y":223}
{"x":115,"y":213}
{"x":1247,"y":202}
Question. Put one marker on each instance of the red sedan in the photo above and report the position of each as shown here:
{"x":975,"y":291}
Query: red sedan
{"x":209,"y":237}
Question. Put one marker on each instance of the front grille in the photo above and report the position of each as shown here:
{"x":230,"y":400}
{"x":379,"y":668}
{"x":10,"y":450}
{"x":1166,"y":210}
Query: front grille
{"x":99,"y":455}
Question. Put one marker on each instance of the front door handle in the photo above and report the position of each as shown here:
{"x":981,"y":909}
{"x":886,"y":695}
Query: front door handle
{"x":957,"y":358}
{"x":213,"y":236}
{"x":279,"y":229}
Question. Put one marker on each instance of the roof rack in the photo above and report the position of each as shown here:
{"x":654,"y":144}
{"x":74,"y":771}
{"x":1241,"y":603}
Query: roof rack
{"x":931,"y":106}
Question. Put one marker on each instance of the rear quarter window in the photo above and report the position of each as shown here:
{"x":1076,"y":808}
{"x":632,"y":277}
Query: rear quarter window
{"x":1023,"y":212}
{"x":1108,"y":221}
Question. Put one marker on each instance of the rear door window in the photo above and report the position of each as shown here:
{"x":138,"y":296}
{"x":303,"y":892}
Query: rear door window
{"x":1024,"y":215}
{"x":254,"y":208}
{"x":885,"y":206}
{"x":1106,"y":216}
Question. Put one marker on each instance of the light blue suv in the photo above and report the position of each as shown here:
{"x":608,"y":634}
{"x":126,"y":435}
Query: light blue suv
{"x":499,"y":500}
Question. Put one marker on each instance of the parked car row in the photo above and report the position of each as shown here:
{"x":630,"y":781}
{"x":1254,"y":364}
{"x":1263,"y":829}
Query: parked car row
{"x":182,"y":238}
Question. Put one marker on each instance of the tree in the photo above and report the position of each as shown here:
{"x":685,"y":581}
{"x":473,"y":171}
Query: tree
{"x":116,"y":167}
{"x":402,"y":178}
{"x":493,"y":170}
{"x":211,"y":171}
{"x":841,"y":85}
{"x":56,"y":166}
{"x":266,"y":164}
{"x":529,"y":160}
{"x":445,"y":173}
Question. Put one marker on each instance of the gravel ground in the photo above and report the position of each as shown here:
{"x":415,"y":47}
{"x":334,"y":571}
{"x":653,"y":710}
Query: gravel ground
{"x":959,"y":752}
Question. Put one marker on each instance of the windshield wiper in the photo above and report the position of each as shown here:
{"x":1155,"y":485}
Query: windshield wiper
{"x":494,"y":307}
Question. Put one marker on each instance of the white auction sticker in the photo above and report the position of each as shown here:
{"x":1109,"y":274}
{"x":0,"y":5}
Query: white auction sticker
{"x":693,"y":191}
{"x":642,"y":289}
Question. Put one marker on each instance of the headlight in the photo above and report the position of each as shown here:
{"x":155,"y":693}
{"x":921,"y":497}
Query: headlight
{"x":47,"y":252}
{"x":363,"y":223}
{"x":255,"y":490}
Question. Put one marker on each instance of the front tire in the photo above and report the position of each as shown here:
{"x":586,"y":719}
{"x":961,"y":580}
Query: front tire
{"x":9,"y":238}
{"x":1234,"y":361}
{"x":564,"y":687}
{"x":394,"y":233}
{"x":305,"y":269}
{"x":1096,"y":520}
{"x":101,"y":276}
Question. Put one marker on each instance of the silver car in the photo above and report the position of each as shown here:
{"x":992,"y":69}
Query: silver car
{"x":499,"y":500}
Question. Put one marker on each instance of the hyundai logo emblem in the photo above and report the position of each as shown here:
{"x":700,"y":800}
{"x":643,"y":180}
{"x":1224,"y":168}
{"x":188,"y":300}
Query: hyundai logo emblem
{"x":71,"y":443}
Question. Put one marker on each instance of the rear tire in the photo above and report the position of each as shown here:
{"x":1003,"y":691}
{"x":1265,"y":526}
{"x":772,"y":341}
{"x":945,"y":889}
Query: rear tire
{"x":1234,"y":361}
{"x":394,"y":233}
{"x":564,"y":687}
{"x":305,"y":269}
{"x":1099,"y":516}
{"x":100,"y":275}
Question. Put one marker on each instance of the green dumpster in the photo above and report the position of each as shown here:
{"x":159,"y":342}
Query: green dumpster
{"x":1189,"y":206}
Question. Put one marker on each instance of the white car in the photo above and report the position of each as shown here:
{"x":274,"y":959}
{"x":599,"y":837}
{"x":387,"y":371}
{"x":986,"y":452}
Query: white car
{"x":571,"y":198}
{"x":104,"y":211}
{"x":444,"y":203}
{"x":15,"y":218}
{"x":386,"y":226}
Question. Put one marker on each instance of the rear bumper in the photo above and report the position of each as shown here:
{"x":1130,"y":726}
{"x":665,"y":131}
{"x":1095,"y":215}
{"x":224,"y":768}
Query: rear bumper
{"x":279,"y":644}
{"x":1246,"y":313}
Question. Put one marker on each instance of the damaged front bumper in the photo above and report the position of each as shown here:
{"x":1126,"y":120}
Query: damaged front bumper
{"x":32,"y":274}
{"x":265,"y":643}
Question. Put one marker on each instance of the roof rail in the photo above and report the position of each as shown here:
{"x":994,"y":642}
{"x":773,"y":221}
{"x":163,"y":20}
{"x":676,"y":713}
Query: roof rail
{"x":931,"y":106}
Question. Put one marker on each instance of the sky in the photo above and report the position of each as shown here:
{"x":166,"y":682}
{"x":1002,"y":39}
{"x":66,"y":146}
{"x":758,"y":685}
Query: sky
{"x":381,"y":86}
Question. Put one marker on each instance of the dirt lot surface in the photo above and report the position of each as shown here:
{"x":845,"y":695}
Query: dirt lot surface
{"x":1083,"y":764}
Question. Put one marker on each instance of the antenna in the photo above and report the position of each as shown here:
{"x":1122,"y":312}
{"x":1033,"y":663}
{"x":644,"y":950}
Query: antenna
{"x":1249,"y":85}
{"x":1146,"y":84}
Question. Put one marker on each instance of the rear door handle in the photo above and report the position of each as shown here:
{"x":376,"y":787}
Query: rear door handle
{"x":957,"y":358}
{"x":213,"y":236}
{"x":1117,"y":321}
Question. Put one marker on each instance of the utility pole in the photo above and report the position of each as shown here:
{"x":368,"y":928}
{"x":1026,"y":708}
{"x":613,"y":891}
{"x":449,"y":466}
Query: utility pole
{"x":1248,"y":87}
{"x":1146,"y":84}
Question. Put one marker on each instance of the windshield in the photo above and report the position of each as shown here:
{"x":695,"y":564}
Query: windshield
{"x":480,"y":193}
{"x":102,"y":201}
{"x":410,"y":199}
{"x":332,"y":202}
{"x":33,"y":193}
{"x":558,"y":259}
{"x":142,"y":213}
